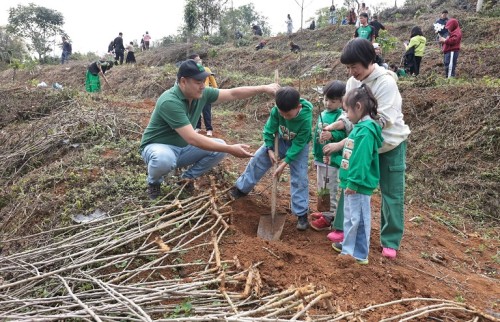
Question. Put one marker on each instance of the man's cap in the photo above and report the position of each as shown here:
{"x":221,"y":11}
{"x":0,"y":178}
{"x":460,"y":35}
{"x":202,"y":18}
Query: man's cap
{"x":376,"y":45}
{"x":191,"y":69}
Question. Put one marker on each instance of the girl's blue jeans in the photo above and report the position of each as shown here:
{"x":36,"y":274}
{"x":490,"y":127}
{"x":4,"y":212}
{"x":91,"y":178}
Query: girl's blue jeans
{"x":299,"y":180}
{"x":357,"y":225}
{"x":163,"y":158}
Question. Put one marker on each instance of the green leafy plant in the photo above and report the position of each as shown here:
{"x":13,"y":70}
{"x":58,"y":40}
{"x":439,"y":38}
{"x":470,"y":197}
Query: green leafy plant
{"x":323,"y":191}
{"x":387,"y":42}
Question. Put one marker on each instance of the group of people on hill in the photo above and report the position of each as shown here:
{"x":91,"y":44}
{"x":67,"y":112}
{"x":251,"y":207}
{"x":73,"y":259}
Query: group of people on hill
{"x":360,"y":136}
{"x":117,"y":48}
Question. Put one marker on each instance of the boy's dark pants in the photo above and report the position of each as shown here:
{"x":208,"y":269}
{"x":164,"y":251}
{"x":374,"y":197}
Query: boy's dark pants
{"x":207,"y":118}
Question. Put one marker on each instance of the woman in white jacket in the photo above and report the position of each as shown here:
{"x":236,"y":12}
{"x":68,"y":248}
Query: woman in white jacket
{"x":359,"y":57}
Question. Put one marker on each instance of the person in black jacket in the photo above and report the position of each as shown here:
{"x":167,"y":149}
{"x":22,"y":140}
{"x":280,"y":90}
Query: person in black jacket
{"x":376,"y":25}
{"x":119,"y":48}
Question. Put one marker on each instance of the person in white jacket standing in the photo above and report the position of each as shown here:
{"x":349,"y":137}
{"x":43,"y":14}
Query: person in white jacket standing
{"x":359,"y":57}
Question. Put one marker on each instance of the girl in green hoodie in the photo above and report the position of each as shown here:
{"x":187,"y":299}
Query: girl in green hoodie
{"x":359,"y":172}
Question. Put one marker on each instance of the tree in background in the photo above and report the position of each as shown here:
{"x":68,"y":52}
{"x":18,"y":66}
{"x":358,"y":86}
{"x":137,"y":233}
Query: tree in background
{"x":38,"y":25}
{"x":10,"y":48}
{"x":209,"y":12}
{"x":241,"y":19}
{"x":190,"y":18}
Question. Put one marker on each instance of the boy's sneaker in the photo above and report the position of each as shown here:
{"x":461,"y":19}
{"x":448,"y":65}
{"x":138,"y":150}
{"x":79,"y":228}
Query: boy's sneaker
{"x":236,"y":193}
{"x":210,"y":133}
{"x":336,"y":236}
{"x":320,"y":224}
{"x":362,"y":261}
{"x":389,"y":252}
{"x":337,"y":247}
{"x":154,"y":190}
{"x":316,"y":215}
{"x":302,"y":223}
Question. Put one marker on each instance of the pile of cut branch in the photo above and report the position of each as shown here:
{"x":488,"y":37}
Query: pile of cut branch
{"x":124,"y":267}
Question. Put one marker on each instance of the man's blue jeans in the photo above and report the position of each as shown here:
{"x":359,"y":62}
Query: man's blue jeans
{"x":357,"y":225}
{"x":299,"y":180}
{"x":163,"y":158}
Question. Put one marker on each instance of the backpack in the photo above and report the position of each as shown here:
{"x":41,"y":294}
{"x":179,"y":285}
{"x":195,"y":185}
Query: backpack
{"x":409,"y":58}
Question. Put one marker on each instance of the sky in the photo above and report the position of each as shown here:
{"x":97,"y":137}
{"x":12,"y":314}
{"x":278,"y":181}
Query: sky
{"x":91,"y":24}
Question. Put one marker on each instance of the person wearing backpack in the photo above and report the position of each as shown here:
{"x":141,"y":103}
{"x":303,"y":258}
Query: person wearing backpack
{"x":417,"y":42}
{"x":66,"y":50}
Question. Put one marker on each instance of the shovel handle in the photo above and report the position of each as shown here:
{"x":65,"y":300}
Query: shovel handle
{"x":275,"y":179}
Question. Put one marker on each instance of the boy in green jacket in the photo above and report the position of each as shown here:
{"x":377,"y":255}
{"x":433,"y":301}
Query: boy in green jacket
{"x":292,"y":119}
{"x":332,"y":99}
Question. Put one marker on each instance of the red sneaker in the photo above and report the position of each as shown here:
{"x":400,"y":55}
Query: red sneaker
{"x":389,"y":253}
{"x":336,"y":236}
{"x":316,"y":215}
{"x":320,"y":224}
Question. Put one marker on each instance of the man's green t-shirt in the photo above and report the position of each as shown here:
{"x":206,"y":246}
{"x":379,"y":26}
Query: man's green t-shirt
{"x":365,"y":32}
{"x":172,"y":111}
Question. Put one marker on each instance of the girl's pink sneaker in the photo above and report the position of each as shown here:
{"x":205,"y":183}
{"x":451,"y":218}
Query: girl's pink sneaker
{"x":336,"y":236}
{"x":389,"y":253}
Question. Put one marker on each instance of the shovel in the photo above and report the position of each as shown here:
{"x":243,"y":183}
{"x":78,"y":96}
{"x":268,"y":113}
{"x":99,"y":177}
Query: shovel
{"x":324,"y":193}
{"x":271,"y":226}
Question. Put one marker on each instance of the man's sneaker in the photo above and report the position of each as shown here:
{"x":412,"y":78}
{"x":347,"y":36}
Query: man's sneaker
{"x":337,"y":247}
{"x":197,"y":130}
{"x":320,"y":224}
{"x":154,"y":190}
{"x":209,"y":133}
{"x":316,"y":215}
{"x":236,"y":193}
{"x":336,"y":236}
{"x":389,"y":252}
{"x":302,"y":223}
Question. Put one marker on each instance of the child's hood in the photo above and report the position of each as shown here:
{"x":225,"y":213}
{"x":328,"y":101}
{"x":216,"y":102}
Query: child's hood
{"x":373,"y":127}
{"x":307,"y":109}
{"x":452,"y":25}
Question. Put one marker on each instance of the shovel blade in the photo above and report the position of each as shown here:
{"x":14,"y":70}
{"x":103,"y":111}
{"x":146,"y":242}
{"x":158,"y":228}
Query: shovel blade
{"x":267,"y":230}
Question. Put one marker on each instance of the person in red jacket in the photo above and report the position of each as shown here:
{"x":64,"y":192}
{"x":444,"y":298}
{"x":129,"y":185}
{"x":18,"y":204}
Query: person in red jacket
{"x":451,"y":46}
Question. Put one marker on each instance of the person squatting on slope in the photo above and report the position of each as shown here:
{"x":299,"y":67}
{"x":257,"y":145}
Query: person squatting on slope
{"x":170,"y":141}
{"x":92,"y":80}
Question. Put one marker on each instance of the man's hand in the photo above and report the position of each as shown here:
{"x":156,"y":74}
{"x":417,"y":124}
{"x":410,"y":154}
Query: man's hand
{"x":333,"y":147}
{"x":239,"y":151}
{"x":272,"y":88}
